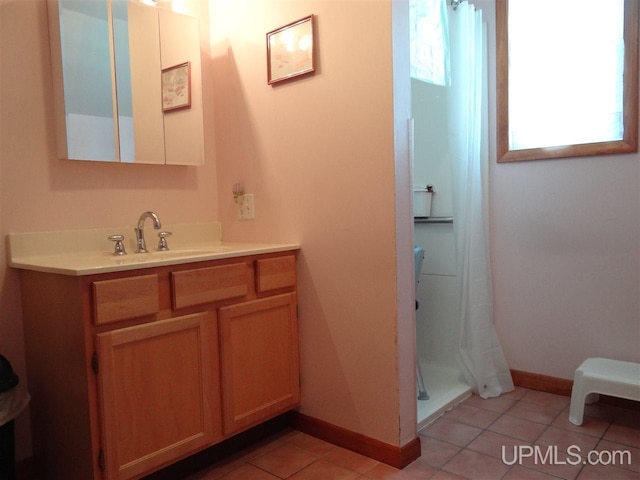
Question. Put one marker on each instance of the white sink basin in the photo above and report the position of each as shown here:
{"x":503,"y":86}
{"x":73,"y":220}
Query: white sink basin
{"x":85,"y":252}
{"x":155,"y":256}
{"x":186,"y":252}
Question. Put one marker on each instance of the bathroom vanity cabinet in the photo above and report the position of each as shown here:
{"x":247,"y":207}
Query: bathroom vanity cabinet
{"x":130,"y":371}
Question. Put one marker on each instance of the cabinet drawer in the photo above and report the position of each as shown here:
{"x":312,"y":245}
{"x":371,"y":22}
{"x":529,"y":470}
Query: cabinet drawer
{"x":211,"y":284}
{"x":124,"y":298}
{"x":274,"y":273}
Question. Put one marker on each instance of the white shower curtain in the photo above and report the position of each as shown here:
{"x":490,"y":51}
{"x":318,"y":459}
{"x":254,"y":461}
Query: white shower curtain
{"x":481,"y":356}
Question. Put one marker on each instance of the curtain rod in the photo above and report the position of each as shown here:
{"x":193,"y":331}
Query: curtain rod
{"x":455,"y":3}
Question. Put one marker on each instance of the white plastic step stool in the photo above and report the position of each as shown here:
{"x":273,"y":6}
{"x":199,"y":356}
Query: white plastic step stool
{"x":601,"y":375}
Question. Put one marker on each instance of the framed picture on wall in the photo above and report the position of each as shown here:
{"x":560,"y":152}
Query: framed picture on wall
{"x":176,"y":87}
{"x":290,"y":51}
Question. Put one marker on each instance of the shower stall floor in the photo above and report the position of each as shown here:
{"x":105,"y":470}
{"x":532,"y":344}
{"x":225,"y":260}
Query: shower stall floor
{"x":446,"y":387}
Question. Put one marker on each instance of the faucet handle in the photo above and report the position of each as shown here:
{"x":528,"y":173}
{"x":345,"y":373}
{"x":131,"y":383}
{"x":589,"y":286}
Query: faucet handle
{"x":162,"y":243}
{"x":119,"y":246}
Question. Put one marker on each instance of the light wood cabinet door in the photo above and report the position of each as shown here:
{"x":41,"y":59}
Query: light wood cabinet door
{"x":159,"y":395}
{"x":259,"y":360}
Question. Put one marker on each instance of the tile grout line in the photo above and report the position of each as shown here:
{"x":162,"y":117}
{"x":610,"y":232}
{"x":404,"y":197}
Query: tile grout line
{"x":485,"y":429}
{"x":551,"y":426}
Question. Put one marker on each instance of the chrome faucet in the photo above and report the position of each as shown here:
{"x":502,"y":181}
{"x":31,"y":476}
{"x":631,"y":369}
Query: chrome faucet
{"x":141,"y":246}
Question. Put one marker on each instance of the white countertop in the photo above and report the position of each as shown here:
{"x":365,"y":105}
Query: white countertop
{"x":87,"y":252}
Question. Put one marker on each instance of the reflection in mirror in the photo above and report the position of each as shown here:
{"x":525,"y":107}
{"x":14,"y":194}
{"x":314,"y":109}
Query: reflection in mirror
{"x":123,"y":80}
{"x":108,"y":57}
{"x":183,"y":129}
{"x":86,"y":64}
{"x":136,"y":47}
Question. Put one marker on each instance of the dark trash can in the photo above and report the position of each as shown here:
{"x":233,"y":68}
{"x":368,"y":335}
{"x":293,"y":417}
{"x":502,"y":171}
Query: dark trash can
{"x":13,"y":400}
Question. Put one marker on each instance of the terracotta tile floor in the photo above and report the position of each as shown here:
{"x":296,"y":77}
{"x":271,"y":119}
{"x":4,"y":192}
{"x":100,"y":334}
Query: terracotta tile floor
{"x":465,"y":443}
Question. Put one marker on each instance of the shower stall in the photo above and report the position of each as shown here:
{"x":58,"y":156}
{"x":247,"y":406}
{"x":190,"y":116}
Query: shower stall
{"x":456,"y":346}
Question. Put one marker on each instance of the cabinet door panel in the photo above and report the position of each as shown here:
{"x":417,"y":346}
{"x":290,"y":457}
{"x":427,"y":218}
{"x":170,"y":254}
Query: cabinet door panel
{"x":158,"y":398}
{"x":259,"y":360}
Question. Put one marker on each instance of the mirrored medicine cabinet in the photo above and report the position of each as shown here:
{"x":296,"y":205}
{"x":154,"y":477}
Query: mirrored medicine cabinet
{"x":127,"y":82}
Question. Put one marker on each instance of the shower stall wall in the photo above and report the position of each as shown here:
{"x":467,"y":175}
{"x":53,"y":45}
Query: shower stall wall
{"x":456,"y":341}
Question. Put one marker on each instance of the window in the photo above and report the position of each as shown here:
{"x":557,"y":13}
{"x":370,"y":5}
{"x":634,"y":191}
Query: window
{"x":567,"y":81}
{"x":429,"y":41}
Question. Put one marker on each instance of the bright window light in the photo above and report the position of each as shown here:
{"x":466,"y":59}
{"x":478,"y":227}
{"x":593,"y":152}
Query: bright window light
{"x":567,"y":78}
{"x":429,"y":40}
{"x":566,"y":58}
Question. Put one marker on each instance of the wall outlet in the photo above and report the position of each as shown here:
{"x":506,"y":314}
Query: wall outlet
{"x":246,"y":209}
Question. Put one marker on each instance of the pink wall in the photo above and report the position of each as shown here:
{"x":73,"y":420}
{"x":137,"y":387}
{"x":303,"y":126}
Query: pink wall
{"x":567,"y":261}
{"x":566,"y":255}
{"x":318,"y":153}
{"x":39,"y":192}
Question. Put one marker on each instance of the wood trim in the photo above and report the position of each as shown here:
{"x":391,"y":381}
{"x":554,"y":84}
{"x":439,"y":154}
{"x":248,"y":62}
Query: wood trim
{"x":544,"y":383}
{"x":398,"y":457}
{"x":631,"y":63}
{"x":562,"y":386}
{"x":502,"y":79}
